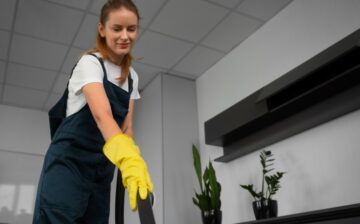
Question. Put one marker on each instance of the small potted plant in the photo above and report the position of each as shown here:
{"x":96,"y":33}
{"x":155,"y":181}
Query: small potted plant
{"x":208,"y":200}
{"x":264,"y":206}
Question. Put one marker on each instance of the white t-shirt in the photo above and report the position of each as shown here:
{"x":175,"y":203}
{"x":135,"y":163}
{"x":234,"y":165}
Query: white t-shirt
{"x":89,"y":70}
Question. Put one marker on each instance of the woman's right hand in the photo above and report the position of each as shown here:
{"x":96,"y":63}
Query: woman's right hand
{"x":121,"y":150}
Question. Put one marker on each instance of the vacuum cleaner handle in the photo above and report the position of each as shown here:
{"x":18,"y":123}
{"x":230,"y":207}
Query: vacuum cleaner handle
{"x":145,"y":209}
{"x":144,"y":206}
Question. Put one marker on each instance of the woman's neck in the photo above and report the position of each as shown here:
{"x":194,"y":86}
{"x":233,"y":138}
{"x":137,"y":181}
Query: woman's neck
{"x":116,"y":59}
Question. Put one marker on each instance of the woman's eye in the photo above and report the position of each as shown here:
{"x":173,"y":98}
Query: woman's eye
{"x":132,"y":29}
{"x":119,"y":29}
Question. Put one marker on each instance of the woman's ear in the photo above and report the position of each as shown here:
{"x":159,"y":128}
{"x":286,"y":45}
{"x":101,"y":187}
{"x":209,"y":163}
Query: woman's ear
{"x":101,"y":30}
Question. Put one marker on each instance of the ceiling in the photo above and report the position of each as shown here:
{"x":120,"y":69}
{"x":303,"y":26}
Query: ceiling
{"x":40,"y":40}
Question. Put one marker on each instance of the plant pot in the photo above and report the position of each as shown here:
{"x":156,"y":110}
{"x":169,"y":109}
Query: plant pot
{"x":211,"y":217}
{"x":265,"y":209}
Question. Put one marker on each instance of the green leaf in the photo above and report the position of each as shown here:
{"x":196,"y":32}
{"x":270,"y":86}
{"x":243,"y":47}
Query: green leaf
{"x":267,"y":171}
{"x":197,"y":165}
{"x":214,"y":187}
{"x":267,"y":153}
{"x":209,"y":198}
{"x":203,"y":202}
{"x":251,"y":191}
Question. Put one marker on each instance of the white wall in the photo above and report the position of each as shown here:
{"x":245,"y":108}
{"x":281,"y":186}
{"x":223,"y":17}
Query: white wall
{"x":321,"y":163}
{"x":148,"y":135}
{"x":24,"y":138}
{"x":180,"y":132}
{"x":23,"y":130}
{"x":165,"y":127}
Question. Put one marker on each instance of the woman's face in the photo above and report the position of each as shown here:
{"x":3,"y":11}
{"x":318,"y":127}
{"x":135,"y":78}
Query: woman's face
{"x":120,"y":31}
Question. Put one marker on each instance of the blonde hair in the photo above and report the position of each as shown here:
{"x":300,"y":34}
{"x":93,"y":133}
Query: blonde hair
{"x":101,"y":46}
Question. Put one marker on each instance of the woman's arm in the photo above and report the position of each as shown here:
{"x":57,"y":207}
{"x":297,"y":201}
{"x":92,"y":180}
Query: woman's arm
{"x":119,"y":148}
{"x":101,"y":110}
{"x":127,"y":126}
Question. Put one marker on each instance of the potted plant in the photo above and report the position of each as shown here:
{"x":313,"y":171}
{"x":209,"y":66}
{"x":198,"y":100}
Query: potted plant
{"x":264,"y":206}
{"x":208,"y":200}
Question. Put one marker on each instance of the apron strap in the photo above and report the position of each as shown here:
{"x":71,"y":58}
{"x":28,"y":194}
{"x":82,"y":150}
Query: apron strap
{"x":58,"y":112}
{"x":102,"y":64}
{"x":130,"y":80}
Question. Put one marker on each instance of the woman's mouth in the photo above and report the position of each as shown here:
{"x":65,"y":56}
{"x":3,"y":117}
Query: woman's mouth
{"x":123,"y":46}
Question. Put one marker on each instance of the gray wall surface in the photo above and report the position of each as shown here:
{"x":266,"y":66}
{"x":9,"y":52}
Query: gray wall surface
{"x":165,"y":128}
{"x":148,"y":135}
{"x":321,"y":163}
{"x":24,"y":138}
{"x":180,"y":132}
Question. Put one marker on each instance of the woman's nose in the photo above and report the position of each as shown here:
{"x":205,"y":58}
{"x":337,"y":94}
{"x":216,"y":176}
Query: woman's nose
{"x":124,"y":35}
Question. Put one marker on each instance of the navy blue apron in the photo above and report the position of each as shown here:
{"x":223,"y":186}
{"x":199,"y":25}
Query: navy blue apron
{"x":74,"y":186}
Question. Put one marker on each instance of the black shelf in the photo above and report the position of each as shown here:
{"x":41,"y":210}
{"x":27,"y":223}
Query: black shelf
{"x":319,"y":90}
{"x":349,"y":214}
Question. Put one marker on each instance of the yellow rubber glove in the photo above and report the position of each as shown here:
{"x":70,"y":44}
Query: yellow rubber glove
{"x":121,"y":150}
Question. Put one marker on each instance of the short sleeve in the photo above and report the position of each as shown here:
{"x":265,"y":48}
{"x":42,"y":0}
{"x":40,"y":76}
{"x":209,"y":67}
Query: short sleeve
{"x":87,"y":70}
{"x":135,"y":92}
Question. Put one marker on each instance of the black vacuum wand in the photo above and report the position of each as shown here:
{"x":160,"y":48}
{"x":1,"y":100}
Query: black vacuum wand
{"x":144,"y":206}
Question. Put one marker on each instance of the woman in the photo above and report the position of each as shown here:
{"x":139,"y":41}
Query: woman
{"x":97,"y":132}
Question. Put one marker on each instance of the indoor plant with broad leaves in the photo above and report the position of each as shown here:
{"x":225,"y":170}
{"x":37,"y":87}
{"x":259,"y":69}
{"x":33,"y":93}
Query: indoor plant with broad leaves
{"x":264,"y":206}
{"x":208,"y":200}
